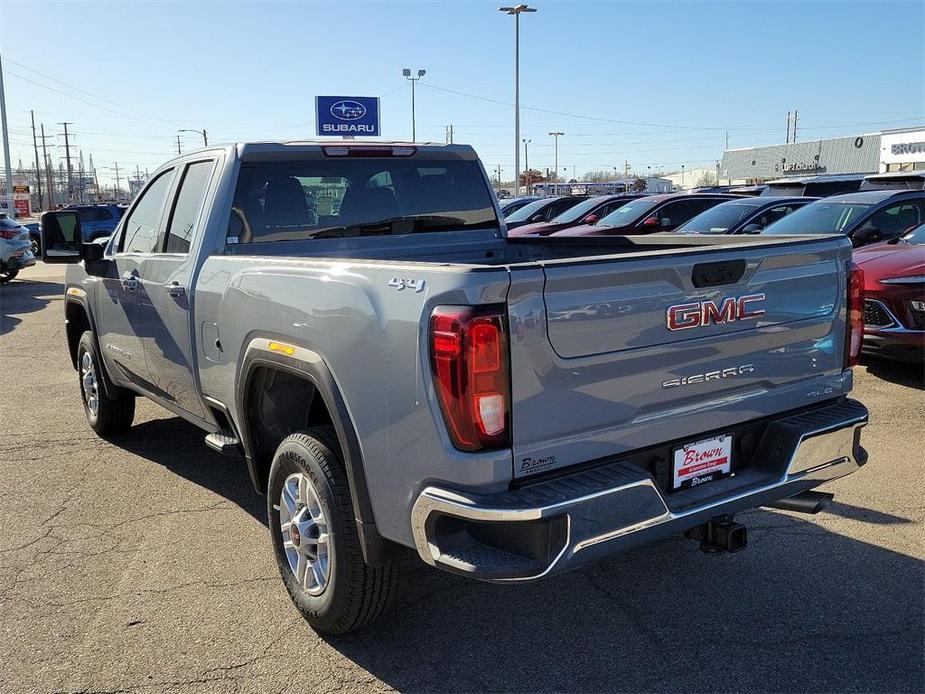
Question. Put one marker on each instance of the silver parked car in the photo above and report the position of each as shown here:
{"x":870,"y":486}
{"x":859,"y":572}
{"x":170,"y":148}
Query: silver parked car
{"x":15,"y":248}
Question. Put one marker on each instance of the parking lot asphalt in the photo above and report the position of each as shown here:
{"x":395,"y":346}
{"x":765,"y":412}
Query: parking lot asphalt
{"x":143,"y":564}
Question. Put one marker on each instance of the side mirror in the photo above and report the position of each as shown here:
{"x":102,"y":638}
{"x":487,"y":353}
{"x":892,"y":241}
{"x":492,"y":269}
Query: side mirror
{"x":592,"y":219}
{"x":752,"y":228}
{"x":650,"y":222}
{"x":539,"y":217}
{"x":61,"y":239}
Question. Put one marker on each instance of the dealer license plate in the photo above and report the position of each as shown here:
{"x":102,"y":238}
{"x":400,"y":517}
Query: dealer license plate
{"x":703,"y":461}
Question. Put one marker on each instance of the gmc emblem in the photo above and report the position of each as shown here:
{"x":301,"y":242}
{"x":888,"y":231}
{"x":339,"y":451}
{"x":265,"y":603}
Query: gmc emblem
{"x":686,"y":316}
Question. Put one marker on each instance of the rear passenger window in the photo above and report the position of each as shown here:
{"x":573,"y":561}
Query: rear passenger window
{"x":187,"y":210}
{"x":141,"y":228}
{"x":896,"y":220}
{"x":768,"y":217}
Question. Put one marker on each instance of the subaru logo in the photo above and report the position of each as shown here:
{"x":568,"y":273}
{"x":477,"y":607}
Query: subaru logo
{"x":347,"y":109}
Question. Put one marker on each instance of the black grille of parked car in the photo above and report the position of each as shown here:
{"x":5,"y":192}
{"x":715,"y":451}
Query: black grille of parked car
{"x":875,"y":315}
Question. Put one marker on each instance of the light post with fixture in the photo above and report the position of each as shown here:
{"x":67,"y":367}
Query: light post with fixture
{"x":526,"y":166}
{"x":406,"y":73}
{"x":205,"y":139}
{"x":556,"y":167}
{"x":516,"y":11}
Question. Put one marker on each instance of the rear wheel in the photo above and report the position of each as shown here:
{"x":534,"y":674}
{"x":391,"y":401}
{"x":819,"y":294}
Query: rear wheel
{"x":105,"y":414}
{"x":315,"y":538}
{"x":7,"y":275}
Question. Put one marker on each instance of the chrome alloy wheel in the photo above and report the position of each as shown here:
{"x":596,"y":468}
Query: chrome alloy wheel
{"x":89,"y":383}
{"x":305,"y":533}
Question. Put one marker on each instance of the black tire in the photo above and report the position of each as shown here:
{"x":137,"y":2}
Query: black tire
{"x":7,"y":275}
{"x":113,"y":414}
{"x":355,"y":594}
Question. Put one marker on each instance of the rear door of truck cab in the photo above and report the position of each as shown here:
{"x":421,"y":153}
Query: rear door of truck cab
{"x":620,"y":353}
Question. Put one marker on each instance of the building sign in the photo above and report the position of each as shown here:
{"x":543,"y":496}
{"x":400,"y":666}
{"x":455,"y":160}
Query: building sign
{"x":20,"y":190}
{"x":908,"y":148}
{"x":799,"y":168}
{"x":347,"y":115}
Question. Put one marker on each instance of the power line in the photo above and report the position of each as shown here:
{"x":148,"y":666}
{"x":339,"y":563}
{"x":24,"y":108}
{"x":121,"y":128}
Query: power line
{"x":89,"y":103}
{"x":83,"y":91}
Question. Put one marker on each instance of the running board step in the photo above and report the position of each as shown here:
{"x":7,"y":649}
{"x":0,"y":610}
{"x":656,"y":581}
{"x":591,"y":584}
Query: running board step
{"x":225,"y":442}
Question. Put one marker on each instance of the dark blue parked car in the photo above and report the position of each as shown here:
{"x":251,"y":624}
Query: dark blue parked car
{"x":97,"y":220}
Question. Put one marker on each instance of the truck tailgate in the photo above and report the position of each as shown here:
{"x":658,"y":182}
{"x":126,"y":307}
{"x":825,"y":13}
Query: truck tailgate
{"x":616,"y":354}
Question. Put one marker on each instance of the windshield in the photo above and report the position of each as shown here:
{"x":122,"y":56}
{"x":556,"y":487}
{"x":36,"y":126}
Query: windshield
{"x":719,"y":219}
{"x":626,"y":214}
{"x":916,"y":236}
{"x":573,"y":214}
{"x":528,"y":210}
{"x":340,"y":197}
{"x":822,"y":217}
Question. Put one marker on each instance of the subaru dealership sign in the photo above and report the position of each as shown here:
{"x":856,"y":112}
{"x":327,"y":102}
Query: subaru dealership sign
{"x":347,"y":115}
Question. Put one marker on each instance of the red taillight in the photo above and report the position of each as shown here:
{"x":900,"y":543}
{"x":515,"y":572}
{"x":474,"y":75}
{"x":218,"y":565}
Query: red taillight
{"x":469,"y":357}
{"x":9,"y":233}
{"x":855,"y":314}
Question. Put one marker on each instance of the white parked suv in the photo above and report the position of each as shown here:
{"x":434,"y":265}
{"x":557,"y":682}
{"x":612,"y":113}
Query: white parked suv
{"x":15,"y":248}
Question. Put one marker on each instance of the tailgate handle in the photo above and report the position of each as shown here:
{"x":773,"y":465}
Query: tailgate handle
{"x":718,"y":274}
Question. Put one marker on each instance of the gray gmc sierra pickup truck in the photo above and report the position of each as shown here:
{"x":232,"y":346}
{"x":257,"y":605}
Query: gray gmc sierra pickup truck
{"x":351,"y":319}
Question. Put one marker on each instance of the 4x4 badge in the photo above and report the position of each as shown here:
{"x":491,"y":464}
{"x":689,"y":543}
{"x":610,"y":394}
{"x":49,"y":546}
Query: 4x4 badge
{"x":402,"y":283}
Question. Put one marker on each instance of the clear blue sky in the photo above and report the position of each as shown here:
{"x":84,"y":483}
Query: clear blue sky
{"x":666,"y":79}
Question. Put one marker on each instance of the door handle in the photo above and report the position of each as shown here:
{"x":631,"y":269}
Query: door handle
{"x":129,"y":282}
{"x":176,"y":290}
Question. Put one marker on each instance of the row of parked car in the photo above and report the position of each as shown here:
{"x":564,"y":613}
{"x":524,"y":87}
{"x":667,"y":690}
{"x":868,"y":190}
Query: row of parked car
{"x":886,"y":226}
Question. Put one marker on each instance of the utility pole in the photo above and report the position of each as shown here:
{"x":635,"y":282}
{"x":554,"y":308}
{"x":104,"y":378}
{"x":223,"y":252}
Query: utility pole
{"x":727,"y":140}
{"x":38,"y":171}
{"x":96,"y":180}
{"x":179,"y":151}
{"x":499,"y":178}
{"x":626,"y":175}
{"x":11,"y":208}
{"x":788,"y":128}
{"x":118,"y":185}
{"x":67,"y":157}
{"x":796,"y":117}
{"x":80,"y":177}
{"x":49,"y":172}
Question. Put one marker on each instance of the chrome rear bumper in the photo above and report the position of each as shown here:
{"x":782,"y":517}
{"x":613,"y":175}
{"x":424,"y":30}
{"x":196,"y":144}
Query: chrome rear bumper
{"x":552,"y":526}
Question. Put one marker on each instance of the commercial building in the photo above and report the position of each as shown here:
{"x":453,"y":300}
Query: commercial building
{"x":889,"y":150}
{"x":856,"y":154}
{"x":902,"y":150}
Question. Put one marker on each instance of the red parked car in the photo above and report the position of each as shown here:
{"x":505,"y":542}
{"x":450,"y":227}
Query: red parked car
{"x":894,"y":296}
{"x":650,"y":214}
{"x":589,"y":211}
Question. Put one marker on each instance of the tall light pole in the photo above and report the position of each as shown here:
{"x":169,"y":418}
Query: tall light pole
{"x":526,"y":165}
{"x":556,"y":167}
{"x":406,"y":73}
{"x":8,"y":168}
{"x":205,"y":139}
{"x":516,"y":11}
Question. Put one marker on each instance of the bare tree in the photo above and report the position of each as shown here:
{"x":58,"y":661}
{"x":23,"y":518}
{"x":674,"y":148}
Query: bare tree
{"x":708,"y":179}
{"x":597,"y":176}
